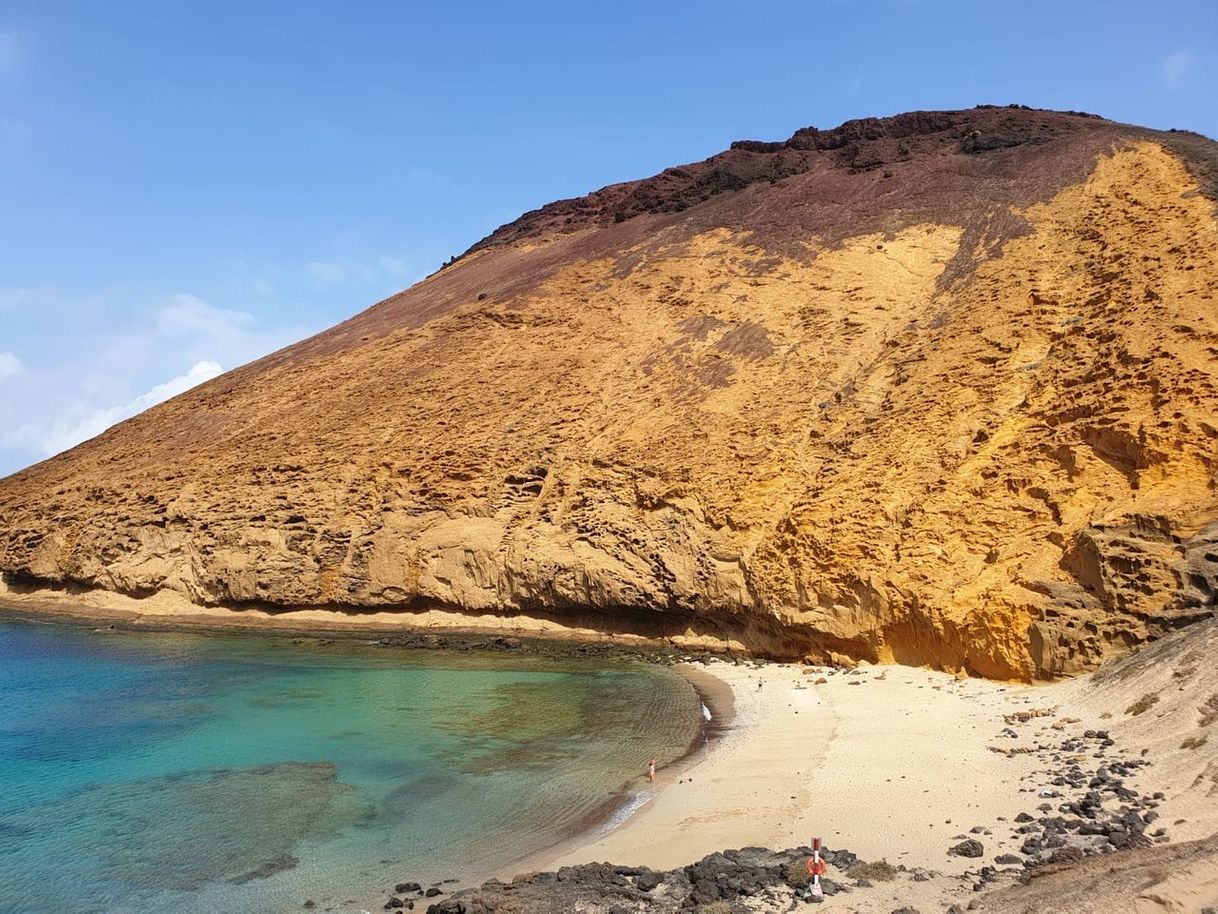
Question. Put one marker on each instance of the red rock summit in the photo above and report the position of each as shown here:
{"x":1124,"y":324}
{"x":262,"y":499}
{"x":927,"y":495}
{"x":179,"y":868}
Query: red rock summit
{"x":936,"y":389}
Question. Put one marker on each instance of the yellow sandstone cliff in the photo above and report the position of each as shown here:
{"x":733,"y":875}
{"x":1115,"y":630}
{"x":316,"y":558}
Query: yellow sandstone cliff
{"x":937,"y":389}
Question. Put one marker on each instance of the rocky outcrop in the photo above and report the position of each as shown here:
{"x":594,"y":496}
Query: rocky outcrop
{"x":1197,"y":571}
{"x":764,"y":880}
{"x":936,"y":389}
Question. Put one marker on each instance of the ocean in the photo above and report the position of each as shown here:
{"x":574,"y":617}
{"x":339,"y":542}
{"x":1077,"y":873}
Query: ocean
{"x":231,"y":773}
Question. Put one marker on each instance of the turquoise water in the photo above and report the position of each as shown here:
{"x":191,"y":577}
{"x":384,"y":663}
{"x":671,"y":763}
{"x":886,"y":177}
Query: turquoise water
{"x":205,"y":773}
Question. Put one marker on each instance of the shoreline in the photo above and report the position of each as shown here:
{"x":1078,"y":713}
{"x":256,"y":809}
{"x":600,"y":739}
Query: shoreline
{"x":166,"y":611}
{"x":892,"y":765}
{"x":806,"y":760}
{"x":170,"y":609}
{"x":717,"y":697}
{"x":895,"y":764}
{"x":712,"y":693}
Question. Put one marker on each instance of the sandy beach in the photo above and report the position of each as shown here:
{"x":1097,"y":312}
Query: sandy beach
{"x":892,"y":763}
{"x":889,"y":762}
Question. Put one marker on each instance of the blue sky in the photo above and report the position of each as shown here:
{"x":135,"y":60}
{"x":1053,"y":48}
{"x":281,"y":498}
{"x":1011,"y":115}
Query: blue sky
{"x":185,"y":186}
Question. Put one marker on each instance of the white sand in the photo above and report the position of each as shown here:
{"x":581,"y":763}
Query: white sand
{"x":876,"y":762}
{"x":888,"y":762}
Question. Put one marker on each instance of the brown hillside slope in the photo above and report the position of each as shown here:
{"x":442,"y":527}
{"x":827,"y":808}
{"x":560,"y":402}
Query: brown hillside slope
{"x":937,"y":388}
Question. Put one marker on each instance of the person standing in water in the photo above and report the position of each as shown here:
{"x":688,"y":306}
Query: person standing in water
{"x":651,"y":771}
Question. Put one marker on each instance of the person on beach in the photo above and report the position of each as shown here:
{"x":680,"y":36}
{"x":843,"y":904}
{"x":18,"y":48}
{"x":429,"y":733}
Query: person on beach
{"x":651,"y":771}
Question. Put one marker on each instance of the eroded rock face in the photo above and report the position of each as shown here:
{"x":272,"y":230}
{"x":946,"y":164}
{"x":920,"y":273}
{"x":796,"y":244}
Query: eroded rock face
{"x":935,"y":389}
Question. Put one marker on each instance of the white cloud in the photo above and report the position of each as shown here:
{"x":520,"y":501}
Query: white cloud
{"x":1176,"y":68}
{"x":198,"y":373}
{"x":109,"y":360}
{"x":183,"y":315}
{"x":9,"y":365}
{"x":69,"y":431}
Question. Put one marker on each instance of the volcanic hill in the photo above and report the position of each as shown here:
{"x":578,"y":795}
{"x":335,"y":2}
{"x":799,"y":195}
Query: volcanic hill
{"x":937,"y":388}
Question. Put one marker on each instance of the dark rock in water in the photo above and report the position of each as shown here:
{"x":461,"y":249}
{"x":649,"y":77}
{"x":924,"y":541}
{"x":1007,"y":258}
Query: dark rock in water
{"x":394,"y":903}
{"x":310,"y":904}
{"x":407,"y":887}
{"x":270,"y":868}
{"x":433,"y":892}
{"x":970,"y":848}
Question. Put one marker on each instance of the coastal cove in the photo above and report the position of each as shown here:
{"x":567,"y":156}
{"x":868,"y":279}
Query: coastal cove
{"x":232,"y":772}
{"x":790,"y":751}
{"x":990,"y":786}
